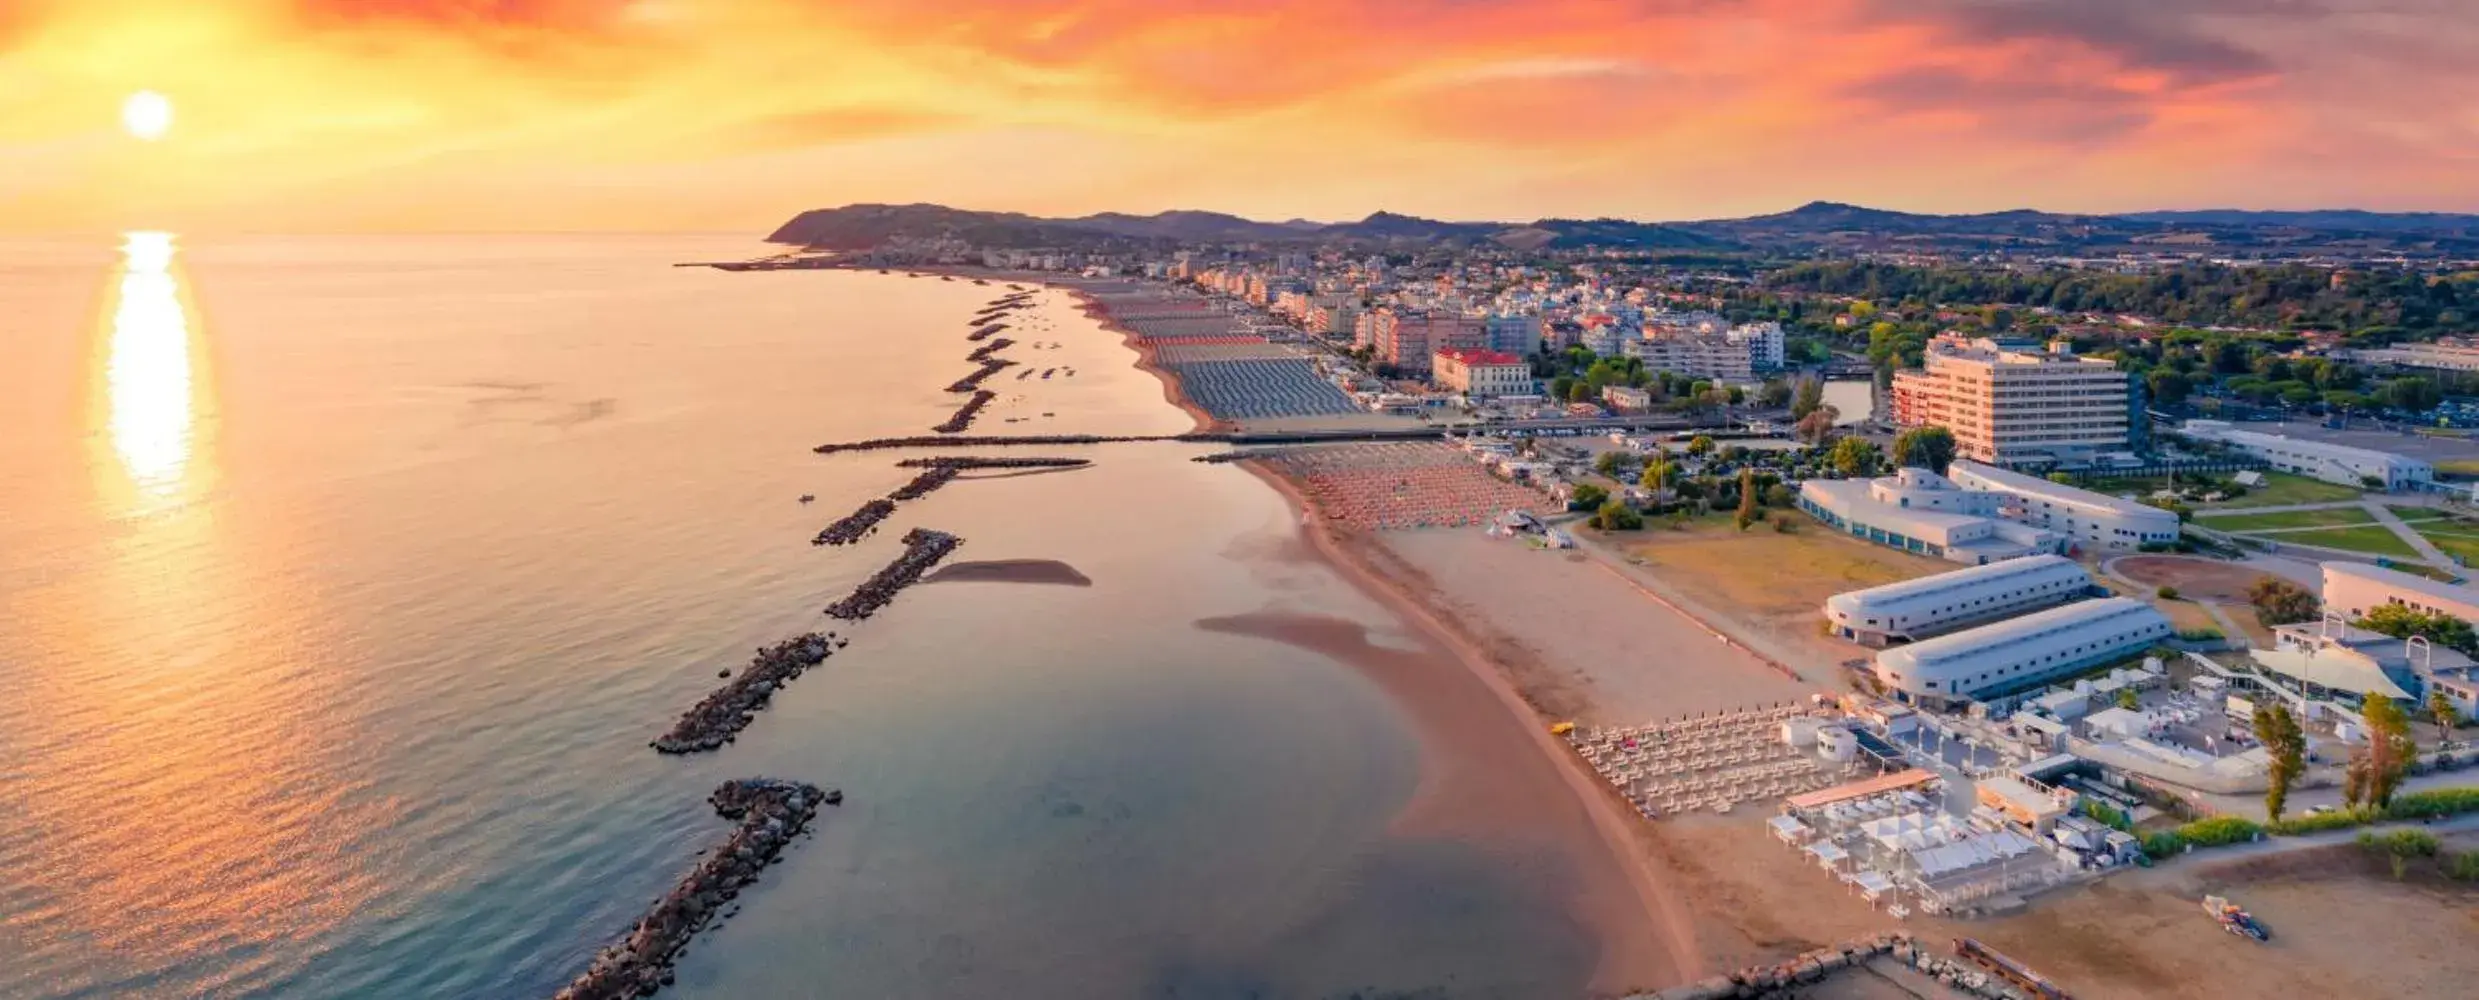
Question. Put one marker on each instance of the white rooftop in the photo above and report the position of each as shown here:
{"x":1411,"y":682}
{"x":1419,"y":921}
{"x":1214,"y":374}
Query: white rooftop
{"x":2015,"y":638}
{"x":2411,"y":582}
{"x":1938,"y":589}
{"x":2034,"y":486}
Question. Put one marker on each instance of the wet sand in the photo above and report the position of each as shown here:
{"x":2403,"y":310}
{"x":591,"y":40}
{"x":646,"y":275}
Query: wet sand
{"x":1147,"y":360}
{"x":1494,"y":771}
{"x":1043,"y":571}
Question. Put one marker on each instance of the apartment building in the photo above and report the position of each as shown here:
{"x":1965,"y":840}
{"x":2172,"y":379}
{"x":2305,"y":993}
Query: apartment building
{"x":2011,"y":403}
{"x":1476,"y":372}
{"x":1705,"y":346}
{"x":1408,"y":339}
{"x":1516,"y":335}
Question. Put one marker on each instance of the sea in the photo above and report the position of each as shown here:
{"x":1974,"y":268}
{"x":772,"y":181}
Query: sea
{"x":344,"y":580}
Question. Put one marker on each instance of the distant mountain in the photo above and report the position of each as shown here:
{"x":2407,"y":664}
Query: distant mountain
{"x":1821,"y":225}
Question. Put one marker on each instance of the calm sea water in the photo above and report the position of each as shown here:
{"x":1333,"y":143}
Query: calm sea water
{"x":346,"y":579}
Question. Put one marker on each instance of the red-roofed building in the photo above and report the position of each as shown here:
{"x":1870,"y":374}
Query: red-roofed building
{"x":1476,"y":372}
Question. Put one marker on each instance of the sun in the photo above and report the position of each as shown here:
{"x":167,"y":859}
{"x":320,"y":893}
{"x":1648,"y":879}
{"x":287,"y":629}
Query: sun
{"x":147,"y":115}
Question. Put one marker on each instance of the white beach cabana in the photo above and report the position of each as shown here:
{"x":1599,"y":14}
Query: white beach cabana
{"x":1788,"y":829}
{"x":1828,"y":855}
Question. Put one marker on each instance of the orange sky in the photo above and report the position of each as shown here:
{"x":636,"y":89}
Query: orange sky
{"x":733,"y":114}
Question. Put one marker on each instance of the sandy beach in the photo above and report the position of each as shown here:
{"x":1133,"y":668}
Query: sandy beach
{"x":1146,"y":359}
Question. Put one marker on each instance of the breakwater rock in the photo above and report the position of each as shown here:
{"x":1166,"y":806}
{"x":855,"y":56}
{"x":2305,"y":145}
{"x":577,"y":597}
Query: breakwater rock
{"x":931,"y":441}
{"x":923,"y":549}
{"x":976,"y":462}
{"x":771,"y":813}
{"x":925,"y":483}
{"x":964,"y":415}
{"x":985,"y":332}
{"x":982,"y":353}
{"x":1797,"y":976}
{"x":855,"y":526}
{"x":713,"y":721}
{"x":972,"y":382}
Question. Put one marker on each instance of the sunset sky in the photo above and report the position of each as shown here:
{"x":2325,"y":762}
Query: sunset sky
{"x":732,"y":114}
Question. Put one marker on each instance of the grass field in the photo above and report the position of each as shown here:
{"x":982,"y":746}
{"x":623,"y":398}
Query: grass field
{"x":2330,"y":517}
{"x":2459,"y":466}
{"x":2417,"y":514}
{"x":2373,"y":539}
{"x":2279,"y":489}
{"x":2456,"y":538}
{"x":2189,"y":617}
{"x":1766,"y":572}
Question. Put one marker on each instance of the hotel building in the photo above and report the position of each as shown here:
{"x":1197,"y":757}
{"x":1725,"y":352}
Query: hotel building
{"x":2010,"y":404}
{"x":1475,"y":372}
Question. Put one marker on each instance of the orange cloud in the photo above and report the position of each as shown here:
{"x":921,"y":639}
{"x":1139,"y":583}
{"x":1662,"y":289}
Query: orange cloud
{"x":718,"y":114}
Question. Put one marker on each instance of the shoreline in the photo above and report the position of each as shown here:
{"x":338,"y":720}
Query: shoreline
{"x":1148,"y":360}
{"x":1648,"y":897}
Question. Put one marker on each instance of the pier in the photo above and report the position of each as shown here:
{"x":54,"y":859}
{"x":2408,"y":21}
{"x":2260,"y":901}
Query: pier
{"x":974,"y":462}
{"x":855,"y":526}
{"x":720,"y":716}
{"x":771,"y":813}
{"x":923,"y":549}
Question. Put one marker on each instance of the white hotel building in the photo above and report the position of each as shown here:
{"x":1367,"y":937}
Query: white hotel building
{"x":2332,"y":463}
{"x":2020,"y":653}
{"x":1910,"y":610}
{"x":2012,"y":404}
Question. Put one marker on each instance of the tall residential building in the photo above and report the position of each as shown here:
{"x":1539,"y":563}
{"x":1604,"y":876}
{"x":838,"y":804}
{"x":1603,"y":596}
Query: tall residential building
{"x":1517,"y":335}
{"x":1706,"y":346}
{"x":2010,"y":403}
{"x":1408,"y":339}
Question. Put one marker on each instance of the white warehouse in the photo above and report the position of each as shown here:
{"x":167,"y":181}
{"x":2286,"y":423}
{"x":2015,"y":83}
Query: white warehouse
{"x":2093,"y":520}
{"x":2020,"y":653}
{"x":1916,"y":609}
{"x":1919,"y":511}
{"x":2354,"y":589}
{"x":2332,"y":463}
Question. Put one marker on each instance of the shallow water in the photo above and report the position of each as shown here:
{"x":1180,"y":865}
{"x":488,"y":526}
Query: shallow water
{"x":348,"y":578}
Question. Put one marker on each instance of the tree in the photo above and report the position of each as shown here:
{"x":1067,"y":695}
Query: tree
{"x":1817,"y":425}
{"x":1562,"y":387}
{"x":1588,"y":497}
{"x":1579,"y":392}
{"x":1700,"y":445}
{"x":2440,"y":708}
{"x":1657,"y":472}
{"x":2280,"y":602}
{"x":1774,"y":395}
{"x":2285,"y":743}
{"x":1747,"y":498}
{"x":2401,"y":622}
{"x":2063,"y":478}
{"x":1609,"y":463}
{"x":2166,"y":387}
{"x":1809,"y":396}
{"x":1855,"y":457}
{"x":1930,"y":448}
{"x":2128,"y":699}
{"x":1616,"y":516}
{"x":2376,"y":770}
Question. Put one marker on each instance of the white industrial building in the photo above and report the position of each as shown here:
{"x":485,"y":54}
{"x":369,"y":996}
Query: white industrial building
{"x":2020,"y":653}
{"x":2093,"y":520}
{"x":2332,"y":463}
{"x":2354,"y":589}
{"x":1916,"y":609}
{"x":1920,"y":511}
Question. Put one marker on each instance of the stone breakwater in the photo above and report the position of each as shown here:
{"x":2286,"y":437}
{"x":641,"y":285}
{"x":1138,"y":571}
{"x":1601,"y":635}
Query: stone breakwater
{"x":925,"y":483}
{"x":965,"y":415}
{"x":771,"y":813}
{"x":976,"y":462}
{"x":1796,"y":976}
{"x":923,"y":549}
{"x":982,"y":353}
{"x":713,"y":721}
{"x":972,"y":382}
{"x":985,"y":332}
{"x":855,"y":526}
{"x":931,"y":441}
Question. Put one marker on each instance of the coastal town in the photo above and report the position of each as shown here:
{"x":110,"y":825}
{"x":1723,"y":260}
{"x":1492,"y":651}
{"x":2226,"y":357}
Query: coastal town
{"x":1937,"y":640}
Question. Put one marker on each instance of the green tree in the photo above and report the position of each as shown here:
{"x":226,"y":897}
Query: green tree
{"x":1809,"y":396}
{"x":2440,"y":708}
{"x":1747,"y":498}
{"x":1930,"y":448}
{"x":1588,"y":497}
{"x":2128,"y":699}
{"x":1780,"y":497}
{"x":1657,"y":472}
{"x":2285,"y":743}
{"x":1700,"y":445}
{"x":2280,"y":602}
{"x":1774,"y":395}
{"x":2402,"y":622}
{"x":1562,"y":387}
{"x":2165,"y":387}
{"x":1579,"y":392}
{"x":1609,"y":463}
{"x":1616,"y":516}
{"x":2064,"y":478}
{"x":2376,"y":770}
{"x":1817,"y":426}
{"x":1855,"y":457}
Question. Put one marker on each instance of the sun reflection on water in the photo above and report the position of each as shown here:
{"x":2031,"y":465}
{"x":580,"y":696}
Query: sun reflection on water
{"x":152,"y":382}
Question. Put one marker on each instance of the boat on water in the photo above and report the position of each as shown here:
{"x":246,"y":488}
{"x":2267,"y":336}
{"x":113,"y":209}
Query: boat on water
{"x":808,"y":497}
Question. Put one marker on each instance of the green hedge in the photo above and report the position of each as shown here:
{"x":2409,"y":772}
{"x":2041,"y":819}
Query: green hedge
{"x":2440,"y":802}
{"x":2338,"y":819}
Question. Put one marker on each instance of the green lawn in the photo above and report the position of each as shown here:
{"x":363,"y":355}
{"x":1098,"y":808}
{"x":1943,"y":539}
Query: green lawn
{"x":2459,"y":466}
{"x":2331,"y":517}
{"x":2281,"y":489}
{"x":2416,"y":514}
{"x":2456,"y":538}
{"x":2373,"y":539}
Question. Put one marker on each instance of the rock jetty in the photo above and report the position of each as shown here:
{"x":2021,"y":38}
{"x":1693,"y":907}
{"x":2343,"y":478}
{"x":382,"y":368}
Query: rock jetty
{"x":1798,"y":975}
{"x":962,"y":462}
{"x":985,"y":332}
{"x":713,"y":721}
{"x":923,"y":549}
{"x":965,"y":414}
{"x":972,"y":382}
{"x":771,"y":813}
{"x":935,"y":441}
{"x":855,"y":526}
{"x":982,"y":353}
{"x":925,"y":483}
